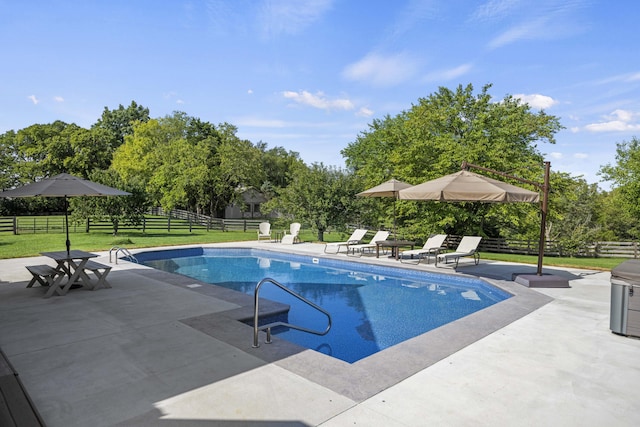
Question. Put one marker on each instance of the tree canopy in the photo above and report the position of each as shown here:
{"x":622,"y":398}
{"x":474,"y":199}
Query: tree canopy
{"x":435,"y":136}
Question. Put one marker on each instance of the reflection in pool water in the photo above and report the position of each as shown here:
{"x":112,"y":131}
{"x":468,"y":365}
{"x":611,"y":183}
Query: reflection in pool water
{"x":372,"y":307}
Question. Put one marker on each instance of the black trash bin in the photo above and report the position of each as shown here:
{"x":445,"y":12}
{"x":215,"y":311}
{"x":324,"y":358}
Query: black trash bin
{"x":625,"y":298}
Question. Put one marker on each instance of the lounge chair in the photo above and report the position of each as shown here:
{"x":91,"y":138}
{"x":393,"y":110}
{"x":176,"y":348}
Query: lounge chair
{"x":355,"y":239}
{"x":468,"y":247}
{"x":359,"y":248}
{"x":264,"y":230}
{"x":292,"y":236}
{"x":431,"y":247}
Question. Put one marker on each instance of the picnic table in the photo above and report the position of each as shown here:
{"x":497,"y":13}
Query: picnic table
{"x":71,"y":270}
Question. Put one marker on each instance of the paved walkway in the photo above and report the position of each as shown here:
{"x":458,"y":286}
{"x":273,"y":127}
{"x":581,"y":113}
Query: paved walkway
{"x":157,"y":350}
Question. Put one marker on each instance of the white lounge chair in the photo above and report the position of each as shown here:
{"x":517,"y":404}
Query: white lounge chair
{"x":264,"y":230}
{"x":468,"y":247}
{"x":292,"y":236}
{"x":355,"y":239}
{"x":431,"y":247}
{"x":379,"y":236}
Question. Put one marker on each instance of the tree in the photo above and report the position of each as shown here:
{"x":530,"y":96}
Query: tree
{"x":435,"y":136}
{"x":625,"y":175}
{"x":318,"y":195}
{"x":129,"y":210}
{"x":118,"y":123}
{"x":190,"y":164}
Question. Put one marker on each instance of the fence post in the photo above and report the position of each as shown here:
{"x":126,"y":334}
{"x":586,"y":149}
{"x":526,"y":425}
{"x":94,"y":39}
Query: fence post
{"x":189,"y":225}
{"x":168,"y":224}
{"x":635,"y":249}
{"x":15,"y":225}
{"x":88,"y":225}
{"x":144,"y":224}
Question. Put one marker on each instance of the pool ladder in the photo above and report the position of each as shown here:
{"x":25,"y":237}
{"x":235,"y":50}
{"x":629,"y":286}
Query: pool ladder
{"x":268,"y":326}
{"x":128,"y":255}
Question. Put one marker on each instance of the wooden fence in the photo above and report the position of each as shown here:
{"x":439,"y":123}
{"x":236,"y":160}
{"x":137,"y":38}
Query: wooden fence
{"x":150,"y":224}
{"x":183,"y":220}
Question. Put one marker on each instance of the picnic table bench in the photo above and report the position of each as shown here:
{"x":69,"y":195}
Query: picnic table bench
{"x":45,"y":275}
{"x":100,"y":271}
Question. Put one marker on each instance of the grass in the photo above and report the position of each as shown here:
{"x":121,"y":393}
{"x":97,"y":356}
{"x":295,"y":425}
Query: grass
{"x":27,"y":245}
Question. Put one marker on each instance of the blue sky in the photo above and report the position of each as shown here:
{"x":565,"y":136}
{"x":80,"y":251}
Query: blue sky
{"x":311,"y":75}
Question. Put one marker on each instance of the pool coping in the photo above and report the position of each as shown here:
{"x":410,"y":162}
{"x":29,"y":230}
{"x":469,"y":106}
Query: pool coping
{"x":365,"y":378}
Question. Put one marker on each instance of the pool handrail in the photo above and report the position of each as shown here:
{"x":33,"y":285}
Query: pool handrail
{"x":268,"y":326}
{"x":126,"y":253}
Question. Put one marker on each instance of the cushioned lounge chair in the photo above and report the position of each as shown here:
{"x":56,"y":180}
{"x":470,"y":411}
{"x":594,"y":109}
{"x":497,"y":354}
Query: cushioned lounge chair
{"x":264,"y":231}
{"x":358,"y":250}
{"x":292,"y":236}
{"x":431,"y":247}
{"x":468,"y":247}
{"x":355,"y":239}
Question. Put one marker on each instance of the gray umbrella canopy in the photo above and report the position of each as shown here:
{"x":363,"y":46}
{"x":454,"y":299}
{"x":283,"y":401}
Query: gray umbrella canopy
{"x":465,"y":186}
{"x":389,"y":188}
{"x":64,"y":185}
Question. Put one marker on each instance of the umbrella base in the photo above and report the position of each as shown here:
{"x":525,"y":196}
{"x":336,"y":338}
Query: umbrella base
{"x":544,"y":281}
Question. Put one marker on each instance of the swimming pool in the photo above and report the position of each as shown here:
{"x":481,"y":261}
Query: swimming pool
{"x":372,"y":307}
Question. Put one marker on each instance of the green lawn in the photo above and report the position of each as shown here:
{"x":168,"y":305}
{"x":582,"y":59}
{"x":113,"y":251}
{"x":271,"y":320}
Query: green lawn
{"x":26,"y":245}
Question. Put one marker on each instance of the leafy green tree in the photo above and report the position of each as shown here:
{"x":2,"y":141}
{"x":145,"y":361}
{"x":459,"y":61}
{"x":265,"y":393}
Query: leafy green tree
{"x":616,"y":220}
{"x":128,"y":210}
{"x":8,"y":173}
{"x":118,"y":123}
{"x":625,"y":175}
{"x":435,"y":136}
{"x":319,"y":196}
{"x":573,"y":222}
{"x":190,"y":164}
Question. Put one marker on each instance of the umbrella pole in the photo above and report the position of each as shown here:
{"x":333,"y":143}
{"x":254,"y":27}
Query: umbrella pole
{"x":395,"y":236}
{"x":66,"y":224}
{"x":543,"y":216}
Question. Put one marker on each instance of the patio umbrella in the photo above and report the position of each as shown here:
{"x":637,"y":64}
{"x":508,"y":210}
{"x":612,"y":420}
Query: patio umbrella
{"x":389,"y":188}
{"x":465,"y":186}
{"x":64,"y":185}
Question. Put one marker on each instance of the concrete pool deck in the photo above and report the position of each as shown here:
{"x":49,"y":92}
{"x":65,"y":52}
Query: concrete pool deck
{"x":158,"y":350}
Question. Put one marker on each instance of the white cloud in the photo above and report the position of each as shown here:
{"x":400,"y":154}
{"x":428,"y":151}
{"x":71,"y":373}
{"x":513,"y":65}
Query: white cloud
{"x":618,"y":121}
{"x":364,"y":112}
{"x":250,"y":91}
{"x":58,"y":99}
{"x":536,"y":100}
{"x":287,"y":17}
{"x":382,"y":70}
{"x":494,"y":9}
{"x":555,"y":155}
{"x":33,"y":99}
{"x":581,"y":156}
{"x":449,"y":74}
{"x":612,"y":126}
{"x":318,"y":100}
{"x":261,"y":123}
{"x":524,"y":31}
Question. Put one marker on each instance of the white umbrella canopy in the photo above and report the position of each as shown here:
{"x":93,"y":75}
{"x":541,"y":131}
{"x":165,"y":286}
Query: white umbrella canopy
{"x":389,"y":188}
{"x":465,"y":186}
{"x":64,"y":185}
{"x":386,"y":189}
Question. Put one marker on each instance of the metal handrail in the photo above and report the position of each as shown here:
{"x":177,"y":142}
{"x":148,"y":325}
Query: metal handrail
{"x":126,"y":253}
{"x":268,"y":326}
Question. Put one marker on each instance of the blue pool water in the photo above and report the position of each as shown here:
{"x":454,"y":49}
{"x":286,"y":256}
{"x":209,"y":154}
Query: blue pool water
{"x":372,"y":307}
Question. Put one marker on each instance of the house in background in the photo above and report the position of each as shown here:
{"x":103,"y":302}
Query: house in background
{"x":249,"y":208}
